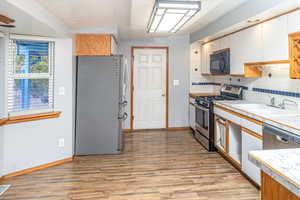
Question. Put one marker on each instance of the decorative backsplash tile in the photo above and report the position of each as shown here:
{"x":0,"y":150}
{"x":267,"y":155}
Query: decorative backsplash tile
{"x":277,"y":92}
{"x":206,"y":83}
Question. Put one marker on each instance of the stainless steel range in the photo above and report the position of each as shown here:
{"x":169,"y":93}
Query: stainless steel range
{"x":205,"y":116}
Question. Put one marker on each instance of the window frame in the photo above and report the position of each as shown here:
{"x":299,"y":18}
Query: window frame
{"x":12,"y":75}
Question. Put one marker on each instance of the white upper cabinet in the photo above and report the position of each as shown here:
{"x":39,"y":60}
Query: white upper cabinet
{"x":275,"y":39}
{"x":195,"y":56}
{"x":223,"y":43}
{"x":237,"y":53}
{"x":252,"y":42}
{"x":203,"y":59}
{"x":214,"y":46}
{"x":206,"y":50}
{"x":294,"y":22}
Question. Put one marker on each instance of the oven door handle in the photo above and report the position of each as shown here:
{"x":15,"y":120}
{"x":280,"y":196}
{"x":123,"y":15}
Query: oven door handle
{"x":202,"y":108}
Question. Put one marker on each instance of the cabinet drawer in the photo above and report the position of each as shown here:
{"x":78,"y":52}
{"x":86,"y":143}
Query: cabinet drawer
{"x":252,"y":126}
{"x":229,"y":116}
{"x":249,"y":123}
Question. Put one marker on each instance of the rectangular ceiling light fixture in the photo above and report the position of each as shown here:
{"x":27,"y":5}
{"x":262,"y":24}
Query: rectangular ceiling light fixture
{"x":171,"y":15}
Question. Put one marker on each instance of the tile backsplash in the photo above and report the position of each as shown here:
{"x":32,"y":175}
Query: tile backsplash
{"x":275,"y":82}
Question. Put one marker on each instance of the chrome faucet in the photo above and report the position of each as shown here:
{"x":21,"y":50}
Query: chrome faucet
{"x":272,"y":102}
{"x":284,"y":101}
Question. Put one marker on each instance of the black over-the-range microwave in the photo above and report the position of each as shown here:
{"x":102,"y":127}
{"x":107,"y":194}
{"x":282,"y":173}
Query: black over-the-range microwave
{"x":220,"y":62}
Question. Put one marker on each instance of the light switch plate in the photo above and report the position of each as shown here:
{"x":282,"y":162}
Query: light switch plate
{"x":61,"y":91}
{"x":61,"y":142}
{"x":175,"y":82}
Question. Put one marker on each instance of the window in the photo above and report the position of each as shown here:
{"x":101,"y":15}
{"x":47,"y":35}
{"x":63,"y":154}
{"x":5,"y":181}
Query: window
{"x":30,"y":76}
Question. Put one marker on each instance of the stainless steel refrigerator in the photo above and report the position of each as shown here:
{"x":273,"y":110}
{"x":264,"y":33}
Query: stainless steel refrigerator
{"x":100,"y":104}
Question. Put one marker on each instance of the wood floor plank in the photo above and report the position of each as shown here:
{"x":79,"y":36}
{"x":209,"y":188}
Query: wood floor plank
{"x":158,"y":165}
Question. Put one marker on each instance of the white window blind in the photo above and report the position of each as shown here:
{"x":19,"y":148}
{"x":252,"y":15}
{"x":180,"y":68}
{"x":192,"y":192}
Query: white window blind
{"x":30,"y":76}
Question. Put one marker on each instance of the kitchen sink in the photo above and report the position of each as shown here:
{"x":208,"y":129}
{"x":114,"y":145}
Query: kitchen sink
{"x":262,"y":109}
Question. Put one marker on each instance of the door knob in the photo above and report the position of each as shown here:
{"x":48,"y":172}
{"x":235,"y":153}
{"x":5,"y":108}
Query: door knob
{"x":163,"y":95}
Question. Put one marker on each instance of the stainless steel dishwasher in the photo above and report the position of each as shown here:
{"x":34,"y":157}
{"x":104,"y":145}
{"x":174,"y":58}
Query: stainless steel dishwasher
{"x":276,"y":138}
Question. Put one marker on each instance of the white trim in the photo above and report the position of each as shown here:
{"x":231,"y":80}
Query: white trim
{"x":30,"y":112}
{"x":11,"y":76}
{"x":30,"y":37}
{"x":32,"y":76}
{"x":2,"y":34}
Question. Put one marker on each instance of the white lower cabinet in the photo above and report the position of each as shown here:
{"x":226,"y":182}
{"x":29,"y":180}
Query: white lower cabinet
{"x":192,"y":112}
{"x":235,"y":142}
{"x":250,"y":143}
{"x":220,"y":134}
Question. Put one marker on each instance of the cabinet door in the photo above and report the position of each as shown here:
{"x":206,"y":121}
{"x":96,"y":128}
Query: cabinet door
{"x":250,"y":143}
{"x":192,"y":113}
{"x":294,"y":22}
{"x":235,"y":142}
{"x":275,"y":39}
{"x":215,"y":46}
{"x":93,"y":45}
{"x":220,"y":134}
{"x":253,"y":44}
{"x":205,"y":59}
{"x":237,"y":53}
{"x":223,"y":43}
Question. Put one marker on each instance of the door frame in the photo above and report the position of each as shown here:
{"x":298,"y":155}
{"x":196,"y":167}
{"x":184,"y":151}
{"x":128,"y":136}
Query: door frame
{"x":132,"y":83}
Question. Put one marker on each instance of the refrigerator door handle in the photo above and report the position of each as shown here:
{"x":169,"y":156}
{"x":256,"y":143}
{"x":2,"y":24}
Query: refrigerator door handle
{"x":124,"y":103}
{"x":123,"y":117}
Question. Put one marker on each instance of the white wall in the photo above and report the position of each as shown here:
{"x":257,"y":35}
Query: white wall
{"x":30,"y":144}
{"x":179,"y":60}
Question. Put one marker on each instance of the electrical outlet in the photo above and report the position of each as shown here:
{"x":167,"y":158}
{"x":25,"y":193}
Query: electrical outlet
{"x":61,"y":142}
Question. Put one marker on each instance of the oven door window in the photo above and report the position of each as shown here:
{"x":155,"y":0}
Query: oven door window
{"x":202,"y":118}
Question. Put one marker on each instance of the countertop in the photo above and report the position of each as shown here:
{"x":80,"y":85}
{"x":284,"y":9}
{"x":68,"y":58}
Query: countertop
{"x":282,"y":165}
{"x":199,"y":94}
{"x":288,"y":120}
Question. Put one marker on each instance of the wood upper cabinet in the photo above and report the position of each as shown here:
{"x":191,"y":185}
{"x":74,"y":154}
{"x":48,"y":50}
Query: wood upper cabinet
{"x":275,"y":39}
{"x":294,"y":49}
{"x":95,"y":45}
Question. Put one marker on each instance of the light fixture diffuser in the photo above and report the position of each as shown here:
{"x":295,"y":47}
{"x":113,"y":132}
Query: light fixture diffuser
{"x":171,"y":15}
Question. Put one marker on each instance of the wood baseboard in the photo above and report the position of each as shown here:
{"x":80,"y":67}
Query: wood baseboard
{"x":127,"y":130}
{"x":185,"y":128}
{"x":26,"y":171}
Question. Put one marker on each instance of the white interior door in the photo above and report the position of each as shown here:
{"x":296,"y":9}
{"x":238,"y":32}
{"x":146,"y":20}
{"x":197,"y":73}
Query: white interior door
{"x":149,"y":106}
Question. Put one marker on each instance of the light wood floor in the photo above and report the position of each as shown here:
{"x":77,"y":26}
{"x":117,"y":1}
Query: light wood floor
{"x":155,"y":165}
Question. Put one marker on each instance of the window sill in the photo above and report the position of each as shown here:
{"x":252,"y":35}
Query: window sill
{"x":29,"y":118}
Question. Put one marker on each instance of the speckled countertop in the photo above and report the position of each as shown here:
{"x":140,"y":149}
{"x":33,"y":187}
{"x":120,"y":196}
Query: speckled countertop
{"x":282,"y":165}
{"x":288,"y":120}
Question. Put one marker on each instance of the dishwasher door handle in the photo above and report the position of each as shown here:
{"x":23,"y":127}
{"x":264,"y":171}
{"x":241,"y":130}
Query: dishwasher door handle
{"x":281,"y":139}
